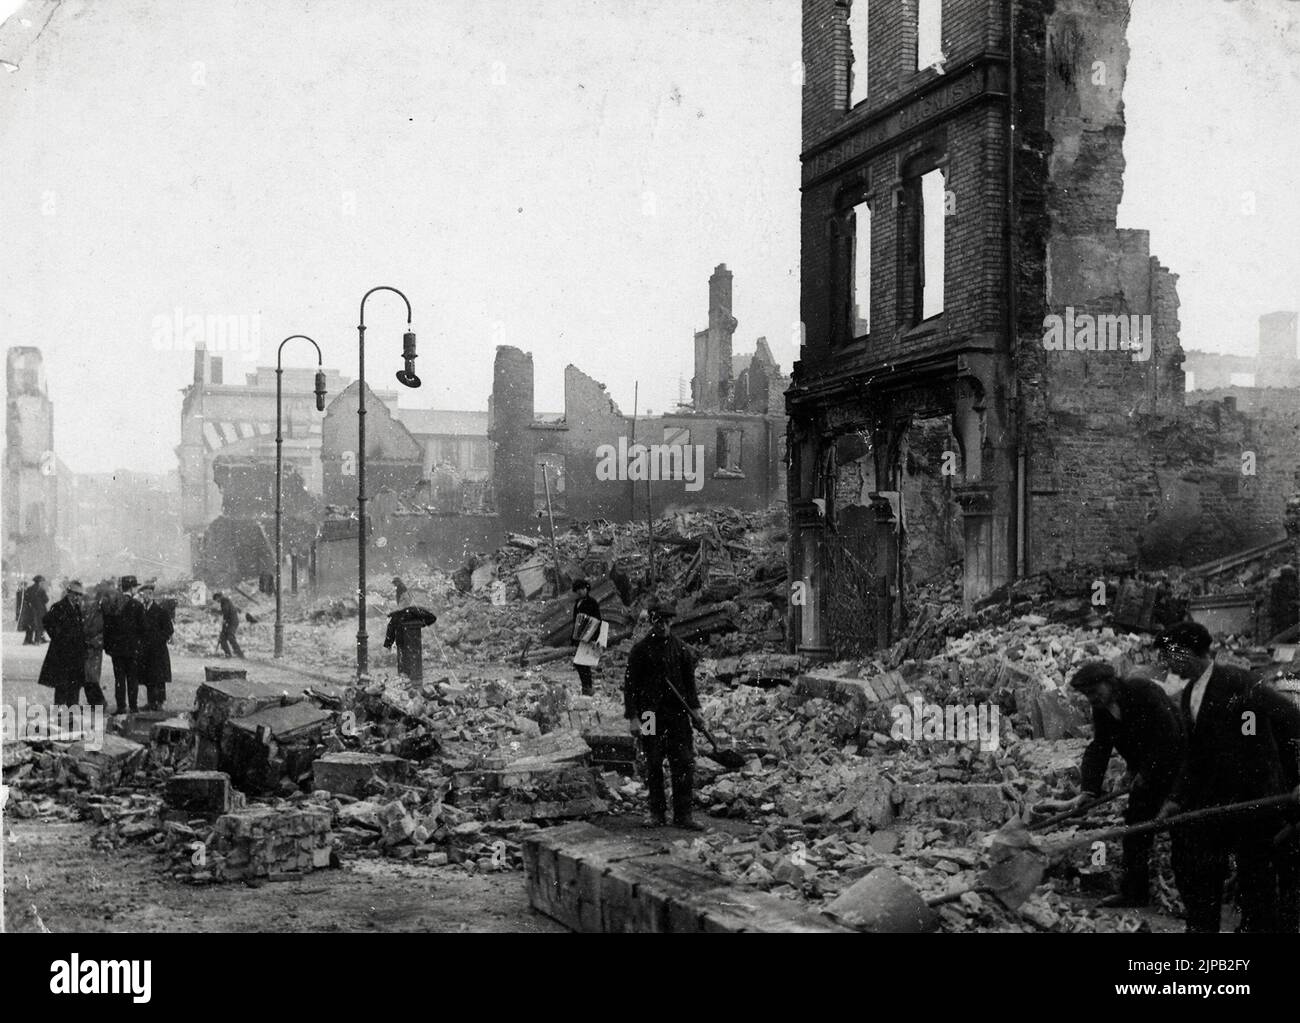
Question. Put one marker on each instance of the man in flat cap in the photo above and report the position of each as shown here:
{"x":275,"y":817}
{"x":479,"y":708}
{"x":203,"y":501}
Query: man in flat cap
{"x":658,"y":700}
{"x":1133,"y":717}
{"x":64,"y":668}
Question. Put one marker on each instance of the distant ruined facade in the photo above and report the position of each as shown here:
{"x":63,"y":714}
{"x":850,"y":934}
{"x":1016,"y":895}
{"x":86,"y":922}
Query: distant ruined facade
{"x":731,"y":439}
{"x":30,"y":469}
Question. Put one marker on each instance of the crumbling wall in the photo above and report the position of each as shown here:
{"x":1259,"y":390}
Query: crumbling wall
{"x":510,"y":433}
{"x":1223,"y":478}
{"x":1089,"y":464}
{"x":712,"y":384}
{"x":593,"y":419}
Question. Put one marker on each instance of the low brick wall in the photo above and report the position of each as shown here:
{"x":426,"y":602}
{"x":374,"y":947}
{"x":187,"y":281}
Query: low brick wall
{"x":590,"y":880}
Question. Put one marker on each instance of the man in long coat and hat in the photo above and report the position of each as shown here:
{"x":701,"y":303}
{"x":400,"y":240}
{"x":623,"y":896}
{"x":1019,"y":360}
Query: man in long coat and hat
{"x":64,"y":668}
{"x":155,"y":663}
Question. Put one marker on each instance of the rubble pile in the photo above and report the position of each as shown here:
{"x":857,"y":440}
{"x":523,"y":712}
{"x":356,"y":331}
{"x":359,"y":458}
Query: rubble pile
{"x":260,"y":841}
{"x":64,"y":768}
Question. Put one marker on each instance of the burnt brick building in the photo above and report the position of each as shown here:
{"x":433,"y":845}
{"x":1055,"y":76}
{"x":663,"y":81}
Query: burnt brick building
{"x":990,"y":371}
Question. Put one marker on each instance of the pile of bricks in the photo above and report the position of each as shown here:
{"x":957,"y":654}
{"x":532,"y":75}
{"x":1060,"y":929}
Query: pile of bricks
{"x":355,"y":774}
{"x":45,"y":765}
{"x":545,"y":778}
{"x":260,"y":841}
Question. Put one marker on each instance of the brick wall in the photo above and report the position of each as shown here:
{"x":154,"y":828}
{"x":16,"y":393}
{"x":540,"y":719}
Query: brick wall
{"x":970,"y":146}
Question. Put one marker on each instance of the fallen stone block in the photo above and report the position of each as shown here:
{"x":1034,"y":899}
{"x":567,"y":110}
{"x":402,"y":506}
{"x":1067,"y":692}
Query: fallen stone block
{"x":351,"y":774}
{"x":115,"y":760}
{"x":221,"y":700}
{"x":199,"y":792}
{"x":273,"y":743}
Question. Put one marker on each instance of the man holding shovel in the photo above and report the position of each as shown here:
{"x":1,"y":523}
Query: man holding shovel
{"x":658,"y":665}
{"x":1133,"y":717}
{"x":1243,"y":744}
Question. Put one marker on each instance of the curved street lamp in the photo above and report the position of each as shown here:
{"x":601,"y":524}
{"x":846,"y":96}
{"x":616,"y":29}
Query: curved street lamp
{"x":279,"y":465}
{"x":405,"y":376}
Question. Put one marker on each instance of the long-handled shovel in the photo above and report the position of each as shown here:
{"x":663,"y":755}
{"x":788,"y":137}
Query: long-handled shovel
{"x":1022,"y":873}
{"x":1017,"y":868}
{"x":1091,"y":804}
{"x":731,"y":759}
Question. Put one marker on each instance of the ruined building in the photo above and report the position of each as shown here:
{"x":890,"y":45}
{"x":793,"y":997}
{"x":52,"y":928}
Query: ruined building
{"x":730,"y":442}
{"x":725,"y":382}
{"x":1276,"y":362}
{"x":991,"y":371}
{"x":428,"y":486}
{"x":227,"y":468}
{"x":30,"y":469}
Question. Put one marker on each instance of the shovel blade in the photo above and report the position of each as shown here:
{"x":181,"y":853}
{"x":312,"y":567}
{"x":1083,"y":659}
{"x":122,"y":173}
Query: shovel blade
{"x":1014,"y":878}
{"x":728,"y":758}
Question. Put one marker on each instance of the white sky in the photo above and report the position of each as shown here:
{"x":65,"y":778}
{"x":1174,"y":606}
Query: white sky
{"x":1212,"y":104}
{"x":561,"y":175}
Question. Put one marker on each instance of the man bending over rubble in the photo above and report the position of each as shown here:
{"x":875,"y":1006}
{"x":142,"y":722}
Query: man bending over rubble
{"x":1134,"y":717}
{"x":656,"y":666}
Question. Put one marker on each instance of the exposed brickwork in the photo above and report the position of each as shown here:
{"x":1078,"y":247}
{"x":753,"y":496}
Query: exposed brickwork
{"x":1067,"y":456}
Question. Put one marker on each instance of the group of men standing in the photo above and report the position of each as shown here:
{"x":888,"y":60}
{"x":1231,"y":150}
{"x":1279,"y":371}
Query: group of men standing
{"x":127,"y":624}
{"x":1228,"y":739}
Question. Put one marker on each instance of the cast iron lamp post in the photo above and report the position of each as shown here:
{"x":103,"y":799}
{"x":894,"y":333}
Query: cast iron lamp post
{"x":279,"y":469}
{"x":405,"y":376}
